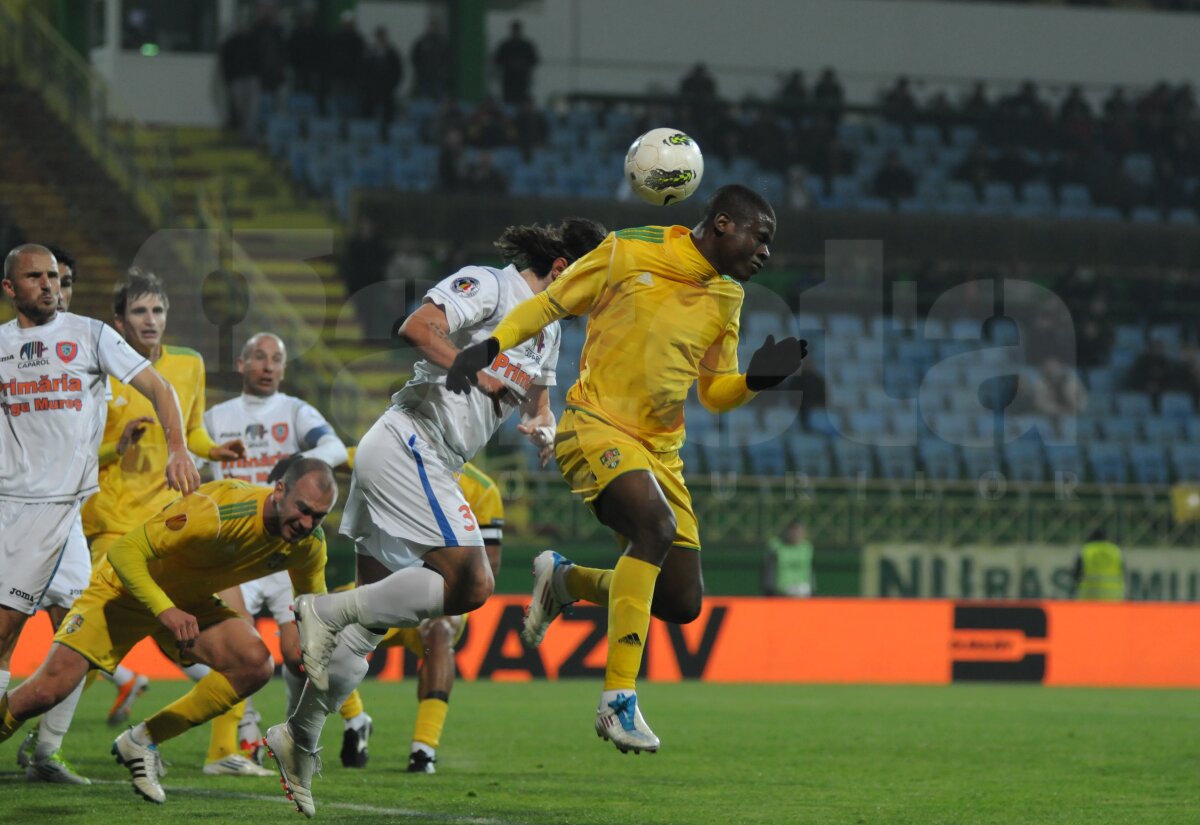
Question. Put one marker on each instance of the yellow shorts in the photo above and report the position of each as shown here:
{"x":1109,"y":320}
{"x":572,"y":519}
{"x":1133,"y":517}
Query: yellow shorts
{"x":104,"y":626}
{"x":591,"y":453}
{"x":100,"y":544}
{"x":410,"y":637}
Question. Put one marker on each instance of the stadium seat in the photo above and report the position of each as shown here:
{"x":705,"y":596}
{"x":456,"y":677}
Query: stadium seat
{"x":1182,"y":215}
{"x":939,"y":460}
{"x":1185,"y":459}
{"x":723,"y":459}
{"x":1065,"y":462}
{"x":767,"y":458}
{"x":1023,"y":460}
{"x":1107,"y":463}
{"x":1161,"y":429}
{"x":853,"y":460}
{"x":1120,"y":429}
{"x":1176,"y":405}
{"x":897,"y":463}
{"x":1145,"y":214}
{"x":810,"y":455}
{"x":1135,"y":404}
{"x":867,"y":423}
{"x":1149,"y":464}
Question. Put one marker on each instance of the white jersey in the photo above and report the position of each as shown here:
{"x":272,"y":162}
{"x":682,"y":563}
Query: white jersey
{"x":52,"y":388}
{"x":476,"y":299}
{"x":272,"y":428}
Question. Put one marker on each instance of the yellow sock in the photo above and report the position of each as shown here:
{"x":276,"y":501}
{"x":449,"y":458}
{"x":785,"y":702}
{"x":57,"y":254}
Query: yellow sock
{"x":208,"y":698}
{"x":431,"y":718}
{"x":352,"y":707}
{"x":223,"y":739}
{"x":8,"y":723}
{"x":631,"y":592}
{"x":589,"y":583}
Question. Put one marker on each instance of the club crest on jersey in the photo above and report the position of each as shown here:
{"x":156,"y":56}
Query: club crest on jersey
{"x":256,"y":432}
{"x":466,"y":286}
{"x":610,"y":458}
{"x":72,"y":624}
{"x":66,"y":350}
{"x":280,"y":432}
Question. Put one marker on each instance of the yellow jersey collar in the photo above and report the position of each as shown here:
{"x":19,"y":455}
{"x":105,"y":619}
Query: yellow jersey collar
{"x":695,"y":264}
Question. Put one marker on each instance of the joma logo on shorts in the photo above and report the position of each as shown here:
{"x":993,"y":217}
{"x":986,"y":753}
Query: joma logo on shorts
{"x":15,"y":592}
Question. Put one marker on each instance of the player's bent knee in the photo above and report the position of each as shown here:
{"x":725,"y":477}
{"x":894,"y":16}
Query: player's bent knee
{"x":677,"y":607}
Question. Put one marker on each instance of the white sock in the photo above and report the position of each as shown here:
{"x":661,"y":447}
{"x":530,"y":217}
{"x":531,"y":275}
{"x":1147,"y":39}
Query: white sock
{"x":5,"y":676}
{"x":356,"y":722}
{"x":251,"y":716}
{"x":347,"y":668}
{"x":402,"y":599}
{"x":196,"y":672}
{"x":122,"y":675}
{"x":293,"y":684}
{"x":140,"y":735}
{"x":421,"y":746}
{"x":55,"y":723}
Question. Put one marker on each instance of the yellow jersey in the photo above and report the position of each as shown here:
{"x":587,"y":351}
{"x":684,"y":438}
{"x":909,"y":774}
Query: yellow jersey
{"x":203,"y":543}
{"x":133,"y":486}
{"x":484,"y":497}
{"x":658,"y":315}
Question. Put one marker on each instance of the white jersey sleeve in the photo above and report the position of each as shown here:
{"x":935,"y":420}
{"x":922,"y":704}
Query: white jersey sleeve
{"x":547,"y":377}
{"x":470,"y":297}
{"x":310,"y":425}
{"x":117,"y":358}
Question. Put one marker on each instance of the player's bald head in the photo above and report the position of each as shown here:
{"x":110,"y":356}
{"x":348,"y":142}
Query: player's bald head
{"x":13,"y":259}
{"x":315,"y":471}
{"x":258,"y":338}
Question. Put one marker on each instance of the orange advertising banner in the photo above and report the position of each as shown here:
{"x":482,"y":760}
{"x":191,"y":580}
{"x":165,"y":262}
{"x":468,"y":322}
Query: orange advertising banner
{"x":882,"y":641}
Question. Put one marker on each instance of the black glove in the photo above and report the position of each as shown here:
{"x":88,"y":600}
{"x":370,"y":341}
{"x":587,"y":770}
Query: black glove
{"x":773,"y":362}
{"x":469,"y":361}
{"x":281,"y":467}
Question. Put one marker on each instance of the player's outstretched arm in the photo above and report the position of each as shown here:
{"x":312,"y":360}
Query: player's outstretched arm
{"x":181,"y":471}
{"x":538,"y":424}
{"x":464,"y":371}
{"x":774,"y":361}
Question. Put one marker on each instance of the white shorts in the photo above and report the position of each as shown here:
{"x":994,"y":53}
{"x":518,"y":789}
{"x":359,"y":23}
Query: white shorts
{"x":272,"y":593}
{"x":74,"y":571}
{"x":32,"y":538}
{"x":404,"y":501}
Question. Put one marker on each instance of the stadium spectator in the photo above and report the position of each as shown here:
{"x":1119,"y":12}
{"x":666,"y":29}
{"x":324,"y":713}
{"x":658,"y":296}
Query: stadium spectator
{"x":798,"y":194}
{"x":829,"y":95}
{"x":787,"y":568}
{"x":1095,"y":335}
{"x":431,"y":62}
{"x":239,"y":74}
{"x":698,"y":88}
{"x":344,"y":67}
{"x":530,"y":129}
{"x":451,"y":161}
{"x":1058,"y":392}
{"x":382,"y":72}
{"x":894,"y":181}
{"x":484,"y":178}
{"x":793,"y":94}
{"x":488,"y":127}
{"x":270,"y":52}
{"x":306,"y":53}
{"x":516,"y":57}
{"x":1152,"y":371}
{"x":899,"y":105}
{"x":1187,"y":375}
{"x":1099,"y":571}
{"x":976,"y":169}
{"x":362,"y":268}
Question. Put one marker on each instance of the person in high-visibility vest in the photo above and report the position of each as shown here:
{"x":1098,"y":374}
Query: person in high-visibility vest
{"x":1100,"y":570}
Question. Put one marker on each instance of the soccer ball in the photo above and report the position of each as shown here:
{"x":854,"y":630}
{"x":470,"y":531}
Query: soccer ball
{"x":664,"y":166}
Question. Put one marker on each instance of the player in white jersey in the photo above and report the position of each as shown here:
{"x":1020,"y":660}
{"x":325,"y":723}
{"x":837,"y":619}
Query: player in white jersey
{"x":273,"y":426}
{"x":420,"y":551}
{"x":53,"y":371}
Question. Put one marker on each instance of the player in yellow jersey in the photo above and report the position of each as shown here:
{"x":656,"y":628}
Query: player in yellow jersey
{"x":433,"y":642}
{"x":158,"y":581}
{"x":663,"y":306}
{"x":132,"y":450}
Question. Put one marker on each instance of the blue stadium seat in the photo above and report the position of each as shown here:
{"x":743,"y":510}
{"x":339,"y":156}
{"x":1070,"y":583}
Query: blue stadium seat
{"x":1107,"y":463}
{"x":301,"y":105}
{"x":939,"y":460}
{"x":768,"y":458}
{"x":1102,"y":380}
{"x":1186,"y":461}
{"x":867,"y":423}
{"x":778,"y":419}
{"x":1139,"y":167}
{"x":824,"y":421}
{"x":1065,"y":461}
{"x":927,"y":135}
{"x":965,"y":136}
{"x":1177,"y":405}
{"x":896,"y":463}
{"x":1023,"y":461}
{"x":810,"y":455}
{"x":1149,"y":464}
{"x":1075,"y":195}
{"x":1106,"y":213}
{"x":852,"y":459}
{"x":958,"y":198}
{"x":1145,"y":214}
{"x":951,"y":426}
{"x":723,"y":459}
{"x":1129,"y":337}
{"x":1120,"y":429}
{"x":1161,"y":429}
{"x":999,"y":198}
{"x":1134,"y":404}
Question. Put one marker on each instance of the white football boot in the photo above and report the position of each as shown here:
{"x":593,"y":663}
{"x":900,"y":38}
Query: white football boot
{"x":296,"y":767}
{"x":619,"y":720}
{"x":550,"y":596}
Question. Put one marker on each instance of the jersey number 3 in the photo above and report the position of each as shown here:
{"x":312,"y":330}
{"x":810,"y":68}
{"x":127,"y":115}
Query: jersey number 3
{"x":468,"y":517}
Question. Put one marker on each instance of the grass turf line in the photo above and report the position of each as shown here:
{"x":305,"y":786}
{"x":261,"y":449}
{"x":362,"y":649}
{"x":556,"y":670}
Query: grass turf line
{"x":517,"y":753}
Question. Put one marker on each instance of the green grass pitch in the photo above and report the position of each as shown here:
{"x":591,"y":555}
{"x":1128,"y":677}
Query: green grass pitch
{"x":526,"y":753}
